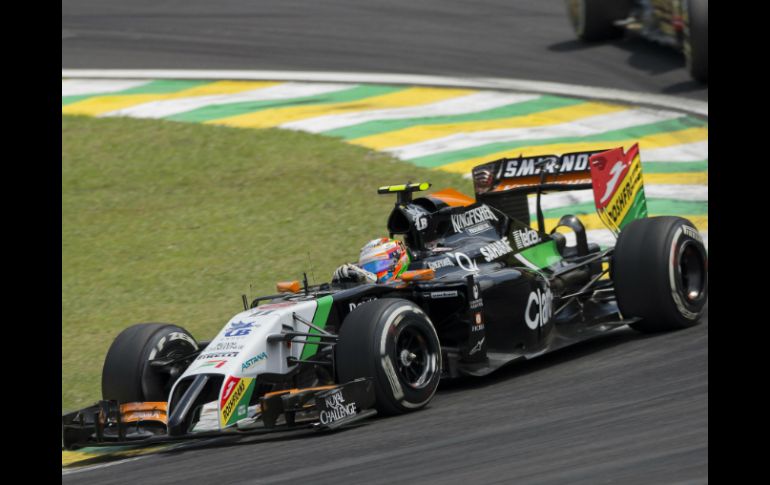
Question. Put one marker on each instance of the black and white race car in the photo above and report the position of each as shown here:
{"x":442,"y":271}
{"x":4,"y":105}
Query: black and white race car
{"x":484,"y":289}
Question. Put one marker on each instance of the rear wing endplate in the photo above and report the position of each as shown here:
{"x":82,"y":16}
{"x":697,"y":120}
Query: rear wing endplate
{"x":618,"y":187}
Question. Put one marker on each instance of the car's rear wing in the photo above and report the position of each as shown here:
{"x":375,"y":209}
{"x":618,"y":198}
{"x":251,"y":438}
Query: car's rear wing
{"x":525,"y":174}
{"x":506,"y":183}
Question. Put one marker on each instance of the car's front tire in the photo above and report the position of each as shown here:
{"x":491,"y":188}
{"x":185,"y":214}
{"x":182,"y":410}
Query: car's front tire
{"x":127,"y":375}
{"x":660,"y":273}
{"x":394,"y":342}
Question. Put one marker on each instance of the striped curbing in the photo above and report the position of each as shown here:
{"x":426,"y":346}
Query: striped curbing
{"x":449,"y":128}
{"x":285,"y":117}
{"x":486,"y":83}
{"x":578,"y":127}
{"x":169,"y":107}
{"x":93,"y":455}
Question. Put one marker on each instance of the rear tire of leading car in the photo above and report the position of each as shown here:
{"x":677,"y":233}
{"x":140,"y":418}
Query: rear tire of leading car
{"x":660,"y":273}
{"x":393,"y":342}
{"x":696,"y":40}
{"x":127,"y":375}
{"x":594,"y":19}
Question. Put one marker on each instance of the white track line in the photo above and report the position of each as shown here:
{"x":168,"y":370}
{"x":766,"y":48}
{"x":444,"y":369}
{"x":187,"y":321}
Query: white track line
{"x":688,"y":152}
{"x":561,"y":199}
{"x":70,"y":471}
{"x":78,"y":87}
{"x":472,"y":103}
{"x":691,"y":193}
{"x":522,"y":85}
{"x":695,"y":192}
{"x":603,"y":237}
{"x":587,"y":126}
{"x":169,"y":107}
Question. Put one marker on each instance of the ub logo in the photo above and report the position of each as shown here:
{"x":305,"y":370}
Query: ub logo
{"x":238,"y":329}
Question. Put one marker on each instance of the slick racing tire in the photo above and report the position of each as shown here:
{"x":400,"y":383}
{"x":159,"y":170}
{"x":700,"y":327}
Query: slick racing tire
{"x":393,"y":342}
{"x":696,"y":39}
{"x":660,"y":272}
{"x":127,"y":375}
{"x":593,"y":19}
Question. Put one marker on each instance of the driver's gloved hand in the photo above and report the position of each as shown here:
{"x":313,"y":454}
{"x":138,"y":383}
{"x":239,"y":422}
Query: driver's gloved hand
{"x":351,"y":272}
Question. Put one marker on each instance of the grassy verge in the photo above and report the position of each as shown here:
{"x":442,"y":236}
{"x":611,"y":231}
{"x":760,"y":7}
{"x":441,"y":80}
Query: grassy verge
{"x":172,"y":222}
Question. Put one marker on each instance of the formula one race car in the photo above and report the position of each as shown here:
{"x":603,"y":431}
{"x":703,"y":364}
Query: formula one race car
{"x":682,"y":24}
{"x":483,"y":289}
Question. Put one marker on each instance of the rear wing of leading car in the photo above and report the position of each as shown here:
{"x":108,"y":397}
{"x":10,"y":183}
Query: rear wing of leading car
{"x":614,"y":176}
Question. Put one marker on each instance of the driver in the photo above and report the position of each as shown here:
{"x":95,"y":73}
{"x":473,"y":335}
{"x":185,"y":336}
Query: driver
{"x":381,"y":261}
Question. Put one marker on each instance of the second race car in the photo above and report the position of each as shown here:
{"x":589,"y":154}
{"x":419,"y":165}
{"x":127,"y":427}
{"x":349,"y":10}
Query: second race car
{"x":682,"y":24}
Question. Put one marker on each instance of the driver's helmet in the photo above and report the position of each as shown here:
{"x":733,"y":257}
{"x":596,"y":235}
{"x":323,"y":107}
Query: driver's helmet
{"x":386,"y":258}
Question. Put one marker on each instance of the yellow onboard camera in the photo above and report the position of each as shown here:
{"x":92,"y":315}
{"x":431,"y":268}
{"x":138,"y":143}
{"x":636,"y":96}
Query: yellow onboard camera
{"x":404,"y":191}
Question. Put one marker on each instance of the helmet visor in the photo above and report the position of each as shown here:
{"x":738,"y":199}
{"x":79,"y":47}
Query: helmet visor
{"x":378,"y":266}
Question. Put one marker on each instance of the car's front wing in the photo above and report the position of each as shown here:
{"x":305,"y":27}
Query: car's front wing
{"x":321,"y":408}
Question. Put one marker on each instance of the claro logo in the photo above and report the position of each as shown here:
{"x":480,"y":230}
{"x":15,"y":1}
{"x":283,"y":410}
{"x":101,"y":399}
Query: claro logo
{"x":539,"y":308}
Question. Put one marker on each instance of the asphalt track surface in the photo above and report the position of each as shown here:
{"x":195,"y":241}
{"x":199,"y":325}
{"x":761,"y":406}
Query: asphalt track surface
{"x":625,"y":408}
{"x":524,"y":39}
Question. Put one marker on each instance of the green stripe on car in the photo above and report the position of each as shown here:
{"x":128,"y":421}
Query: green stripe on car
{"x":319,"y":320}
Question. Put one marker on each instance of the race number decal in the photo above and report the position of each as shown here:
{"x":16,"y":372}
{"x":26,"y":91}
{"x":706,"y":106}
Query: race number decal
{"x":618,"y":187}
{"x":234,"y":402}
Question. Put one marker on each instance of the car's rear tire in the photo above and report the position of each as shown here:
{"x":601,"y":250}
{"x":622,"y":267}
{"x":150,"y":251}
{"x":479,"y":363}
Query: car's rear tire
{"x":660,"y":273}
{"x":394,"y":342}
{"x":127,"y":375}
{"x":696,"y":39}
{"x":594,"y":19}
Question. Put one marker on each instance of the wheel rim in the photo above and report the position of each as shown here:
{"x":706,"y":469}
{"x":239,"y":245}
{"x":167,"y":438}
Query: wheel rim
{"x":415,"y":356}
{"x":692,"y":272}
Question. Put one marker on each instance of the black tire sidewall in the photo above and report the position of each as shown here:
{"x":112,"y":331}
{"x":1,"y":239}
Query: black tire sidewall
{"x":689,"y":311}
{"x":372,"y":328}
{"x":127,"y":375}
{"x":596,"y":17}
{"x":389,"y":327}
{"x":643,"y":270}
{"x":696,"y":39}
